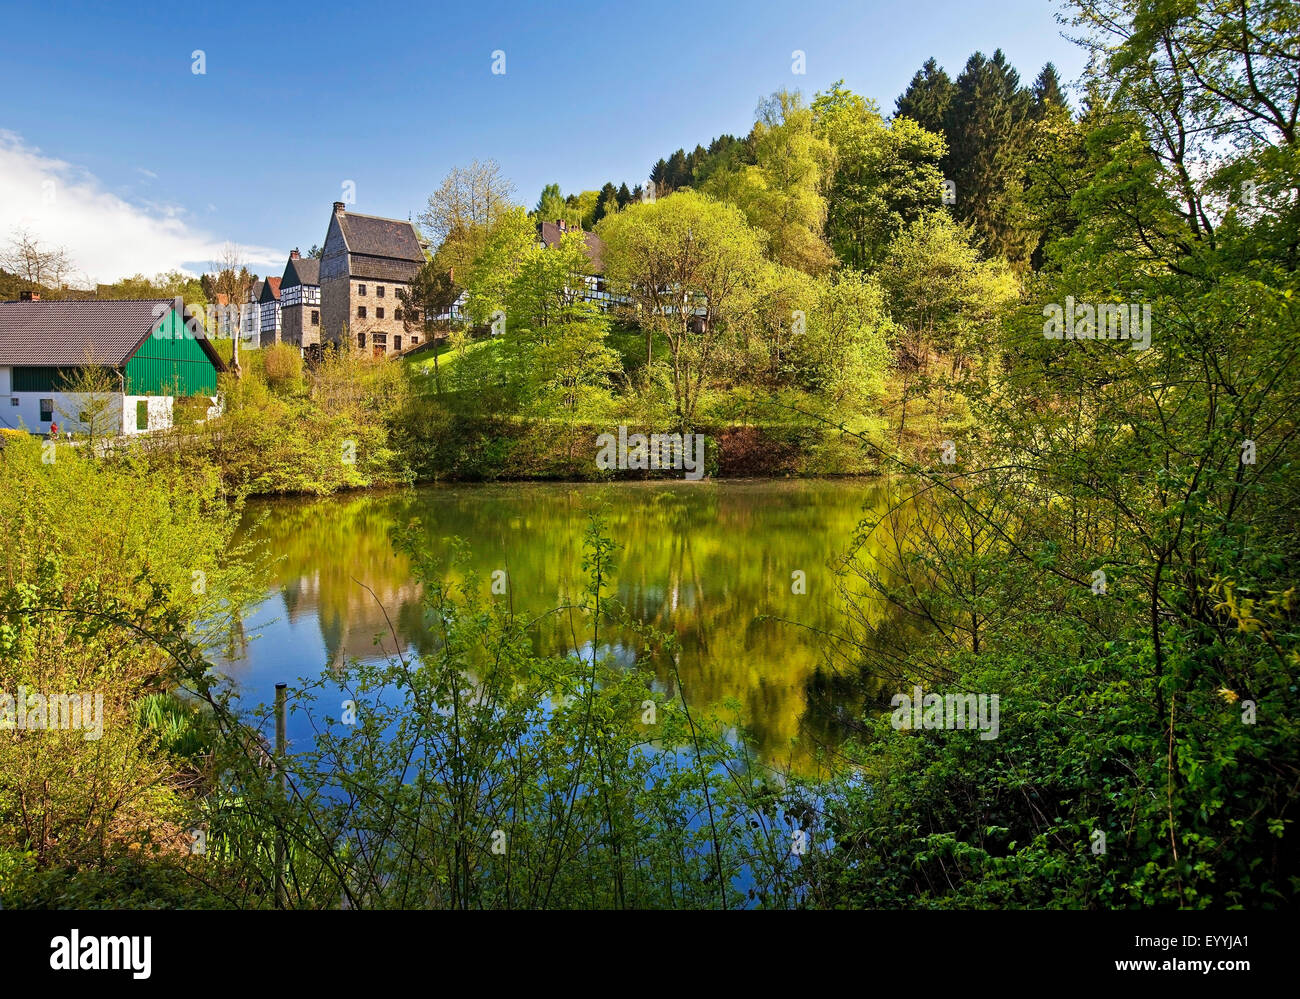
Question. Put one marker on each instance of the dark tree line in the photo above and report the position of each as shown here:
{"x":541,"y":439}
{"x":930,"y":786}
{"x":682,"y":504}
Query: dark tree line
{"x":985,"y":116}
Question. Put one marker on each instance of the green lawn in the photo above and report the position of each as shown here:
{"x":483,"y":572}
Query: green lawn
{"x":447,"y":355}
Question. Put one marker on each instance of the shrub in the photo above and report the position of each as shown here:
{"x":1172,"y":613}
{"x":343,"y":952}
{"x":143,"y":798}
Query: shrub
{"x":282,"y":365}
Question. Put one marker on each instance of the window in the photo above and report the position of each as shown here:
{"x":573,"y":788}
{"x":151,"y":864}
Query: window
{"x":379,"y":312}
{"x":397,"y":314}
{"x":361,"y":339}
{"x":13,"y":401}
{"x":379,"y":290}
{"x":397,"y":343}
{"x":361,"y":312}
{"x":414,"y":340}
{"x":361,"y":289}
{"x":315,"y":317}
{"x":380,"y":340}
{"x":47,"y":410}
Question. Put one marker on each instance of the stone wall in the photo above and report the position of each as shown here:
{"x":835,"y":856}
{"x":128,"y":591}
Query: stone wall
{"x":297,"y":328}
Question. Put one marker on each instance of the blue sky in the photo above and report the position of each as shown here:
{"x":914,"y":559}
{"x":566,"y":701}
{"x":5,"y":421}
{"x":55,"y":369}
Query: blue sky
{"x":113,"y":147}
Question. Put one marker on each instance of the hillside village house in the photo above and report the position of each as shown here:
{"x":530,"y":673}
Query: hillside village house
{"x":144,"y":345}
{"x":250,"y":316}
{"x":549,"y":235}
{"x":300,"y":306}
{"x":268,"y":308}
{"x":350,"y":295}
{"x":366,"y":261}
{"x":227,"y":318}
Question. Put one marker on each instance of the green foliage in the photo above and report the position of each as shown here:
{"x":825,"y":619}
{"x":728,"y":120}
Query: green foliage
{"x":100,"y":555}
{"x":96,"y":413}
{"x":681,"y":259}
{"x":1159,"y":709}
{"x":886,"y":175}
{"x":482,"y":775}
{"x":282,"y":365}
{"x":985,"y":118}
{"x":783,"y":192}
{"x":333,"y":429}
{"x":927,"y":98}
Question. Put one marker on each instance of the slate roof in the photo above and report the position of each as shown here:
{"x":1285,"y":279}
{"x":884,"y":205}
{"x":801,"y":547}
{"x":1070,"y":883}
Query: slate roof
{"x":54,"y":334}
{"x":371,"y":236}
{"x":380,"y":249}
{"x":382,"y":268}
{"x":550,"y":234}
{"x":305,"y":270}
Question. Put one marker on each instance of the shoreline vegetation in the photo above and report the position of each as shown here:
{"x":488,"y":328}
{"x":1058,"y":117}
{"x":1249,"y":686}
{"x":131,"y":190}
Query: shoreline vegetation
{"x":311,"y":435}
{"x":1099,"y":543}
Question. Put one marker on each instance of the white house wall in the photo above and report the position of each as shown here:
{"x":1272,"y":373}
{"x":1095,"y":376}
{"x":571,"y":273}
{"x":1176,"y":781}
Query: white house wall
{"x":159,"y":412}
{"x":22,"y":411}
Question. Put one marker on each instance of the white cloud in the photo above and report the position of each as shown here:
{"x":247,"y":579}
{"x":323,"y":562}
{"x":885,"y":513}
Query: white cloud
{"x":106,"y":236}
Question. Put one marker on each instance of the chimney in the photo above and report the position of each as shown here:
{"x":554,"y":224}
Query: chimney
{"x":293,"y":254}
{"x":29,"y":296}
{"x":560,"y":223}
{"x":338,"y":208}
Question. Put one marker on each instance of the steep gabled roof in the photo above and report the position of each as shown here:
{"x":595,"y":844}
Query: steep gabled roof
{"x":305,"y":270}
{"x":270,"y":290}
{"x":371,"y":236}
{"x":550,"y":234}
{"x":68,"y":334}
{"x":379,"y":249}
{"x":382,"y":268}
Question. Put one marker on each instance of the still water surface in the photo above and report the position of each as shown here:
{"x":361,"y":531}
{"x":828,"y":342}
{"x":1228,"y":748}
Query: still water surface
{"x":705,"y":561}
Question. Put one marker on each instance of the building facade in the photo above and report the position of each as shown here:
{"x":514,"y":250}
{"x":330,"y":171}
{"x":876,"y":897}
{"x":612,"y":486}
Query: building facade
{"x":143,"y":350}
{"x":268,"y":306}
{"x":300,"y":304}
{"x":366,"y":261}
{"x":250,"y":322}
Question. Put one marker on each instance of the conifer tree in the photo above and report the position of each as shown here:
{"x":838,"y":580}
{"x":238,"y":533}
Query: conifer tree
{"x":927,"y":97}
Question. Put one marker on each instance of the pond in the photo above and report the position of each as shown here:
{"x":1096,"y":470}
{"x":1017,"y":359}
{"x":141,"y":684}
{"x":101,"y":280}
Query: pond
{"x":741,"y":572}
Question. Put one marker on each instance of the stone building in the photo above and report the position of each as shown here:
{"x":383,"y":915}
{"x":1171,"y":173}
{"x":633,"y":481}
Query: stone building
{"x":300,"y":304}
{"x":366,"y":261}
